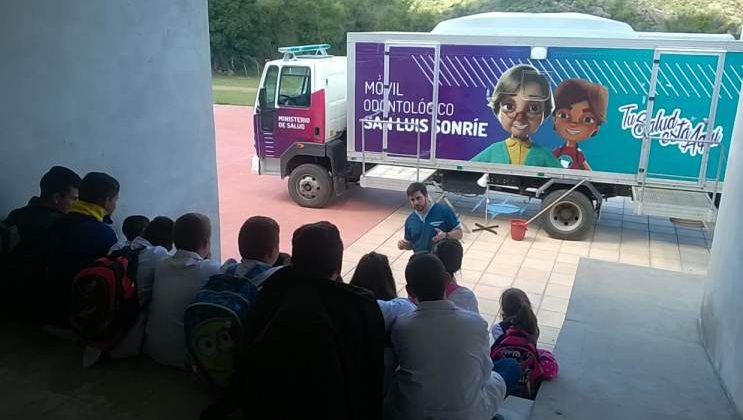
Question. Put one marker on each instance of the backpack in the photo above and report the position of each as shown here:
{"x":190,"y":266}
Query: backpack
{"x":214,"y":325}
{"x":104,"y":303}
{"x":514,"y":344}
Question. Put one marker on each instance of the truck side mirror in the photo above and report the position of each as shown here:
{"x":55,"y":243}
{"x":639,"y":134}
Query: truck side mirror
{"x":262,"y":98}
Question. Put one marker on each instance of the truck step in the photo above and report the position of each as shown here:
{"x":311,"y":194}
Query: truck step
{"x":394,"y":178}
{"x":690,"y":205}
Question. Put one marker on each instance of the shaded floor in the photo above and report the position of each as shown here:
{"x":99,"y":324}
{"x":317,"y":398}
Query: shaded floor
{"x":630,"y":349}
{"x":41,"y":377}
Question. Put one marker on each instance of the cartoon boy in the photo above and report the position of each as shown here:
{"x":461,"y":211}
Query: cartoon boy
{"x":580,"y":108}
{"x":521,"y":101}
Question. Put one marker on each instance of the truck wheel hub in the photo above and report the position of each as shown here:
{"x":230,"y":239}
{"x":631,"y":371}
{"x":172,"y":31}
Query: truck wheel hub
{"x":308,"y":187}
{"x":565,"y":216}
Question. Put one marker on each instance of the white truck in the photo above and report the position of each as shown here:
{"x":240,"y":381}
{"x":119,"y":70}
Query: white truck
{"x":529,"y":103}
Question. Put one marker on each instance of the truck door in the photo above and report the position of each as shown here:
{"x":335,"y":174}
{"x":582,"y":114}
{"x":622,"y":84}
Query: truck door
{"x":264,"y":121}
{"x":681,"y":108}
{"x":410,"y":101}
{"x":290,"y":112}
{"x":300,"y":114}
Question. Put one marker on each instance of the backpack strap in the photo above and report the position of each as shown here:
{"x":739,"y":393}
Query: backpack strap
{"x":517,"y":332}
{"x":258,"y":279}
{"x":504,"y":326}
{"x":451,"y":287}
{"x":132,"y":256}
{"x":231,"y":270}
{"x":252,"y":274}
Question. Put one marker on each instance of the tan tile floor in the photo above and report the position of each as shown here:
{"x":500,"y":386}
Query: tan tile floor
{"x":541,"y":266}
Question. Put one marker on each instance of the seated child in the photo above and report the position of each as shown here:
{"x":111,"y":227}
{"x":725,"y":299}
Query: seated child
{"x":516,"y":338}
{"x":374,"y":274}
{"x":258,"y":242}
{"x":445,"y":370}
{"x":77,"y":239}
{"x":450,"y":252}
{"x":132,"y":227}
{"x":153,"y":246}
{"x":177,"y":279}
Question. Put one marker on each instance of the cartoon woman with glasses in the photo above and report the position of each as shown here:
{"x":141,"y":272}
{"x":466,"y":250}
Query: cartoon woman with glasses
{"x":521,"y":101}
{"x":580,"y":110}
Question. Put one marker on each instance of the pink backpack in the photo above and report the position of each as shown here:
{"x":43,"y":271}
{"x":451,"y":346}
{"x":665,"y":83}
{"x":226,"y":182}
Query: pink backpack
{"x":537,"y":365}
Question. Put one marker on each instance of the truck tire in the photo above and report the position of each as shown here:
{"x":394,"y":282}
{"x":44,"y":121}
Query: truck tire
{"x":570,"y":219}
{"x":310,"y":185}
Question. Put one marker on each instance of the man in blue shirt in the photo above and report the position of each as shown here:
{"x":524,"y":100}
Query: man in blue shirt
{"x":429,"y":223}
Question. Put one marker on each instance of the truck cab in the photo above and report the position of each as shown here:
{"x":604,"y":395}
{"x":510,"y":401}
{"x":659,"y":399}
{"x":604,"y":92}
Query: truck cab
{"x":299,"y":122}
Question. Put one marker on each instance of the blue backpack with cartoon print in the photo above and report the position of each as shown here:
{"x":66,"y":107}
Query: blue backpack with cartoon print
{"x":214,"y":325}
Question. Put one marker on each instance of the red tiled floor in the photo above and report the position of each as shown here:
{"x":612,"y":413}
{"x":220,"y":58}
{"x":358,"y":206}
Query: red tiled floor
{"x":242,"y":194}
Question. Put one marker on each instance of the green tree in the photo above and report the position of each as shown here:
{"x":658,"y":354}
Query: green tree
{"x":244,"y":33}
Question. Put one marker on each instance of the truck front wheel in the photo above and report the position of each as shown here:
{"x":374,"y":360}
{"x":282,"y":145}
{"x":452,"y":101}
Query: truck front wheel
{"x":571,"y":218}
{"x":310,"y":185}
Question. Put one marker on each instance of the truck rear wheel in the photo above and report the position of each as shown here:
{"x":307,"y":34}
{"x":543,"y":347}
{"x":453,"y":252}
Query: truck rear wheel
{"x":310,"y":185}
{"x":571,"y":218}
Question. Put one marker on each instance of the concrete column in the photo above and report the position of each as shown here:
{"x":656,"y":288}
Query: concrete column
{"x":722,"y":317}
{"x":116,"y":86}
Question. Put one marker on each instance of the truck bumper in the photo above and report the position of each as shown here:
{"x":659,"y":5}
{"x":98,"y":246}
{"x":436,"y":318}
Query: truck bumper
{"x":255,"y":165}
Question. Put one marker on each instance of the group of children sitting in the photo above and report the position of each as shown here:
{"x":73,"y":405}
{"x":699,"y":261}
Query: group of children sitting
{"x":283,"y":336}
{"x":518,"y":320}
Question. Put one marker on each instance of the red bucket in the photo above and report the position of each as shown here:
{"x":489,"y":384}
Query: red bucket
{"x":518,"y":229}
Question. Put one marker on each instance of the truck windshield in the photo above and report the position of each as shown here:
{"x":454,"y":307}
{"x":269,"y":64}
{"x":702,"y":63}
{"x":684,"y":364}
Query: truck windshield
{"x":294,"y":87}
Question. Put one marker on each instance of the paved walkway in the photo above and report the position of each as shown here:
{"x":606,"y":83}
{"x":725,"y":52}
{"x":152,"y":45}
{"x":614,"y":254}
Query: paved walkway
{"x":544,"y":267}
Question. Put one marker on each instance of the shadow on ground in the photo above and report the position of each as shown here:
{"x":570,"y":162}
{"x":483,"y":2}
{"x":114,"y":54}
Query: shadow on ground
{"x":41,"y":377}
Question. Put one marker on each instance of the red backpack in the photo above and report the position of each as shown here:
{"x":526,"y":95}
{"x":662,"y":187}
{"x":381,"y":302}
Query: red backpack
{"x":104,"y":303}
{"x":514,"y":344}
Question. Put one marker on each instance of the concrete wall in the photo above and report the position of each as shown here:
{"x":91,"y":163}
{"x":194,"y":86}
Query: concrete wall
{"x":722,"y":318}
{"x":115,"y":86}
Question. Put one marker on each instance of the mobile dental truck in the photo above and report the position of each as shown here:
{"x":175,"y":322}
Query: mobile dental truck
{"x":529,"y":104}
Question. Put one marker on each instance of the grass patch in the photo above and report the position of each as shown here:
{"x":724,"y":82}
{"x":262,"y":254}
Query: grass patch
{"x":234,"y":90}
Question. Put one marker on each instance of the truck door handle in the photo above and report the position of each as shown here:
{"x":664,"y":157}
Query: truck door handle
{"x":317,"y":131}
